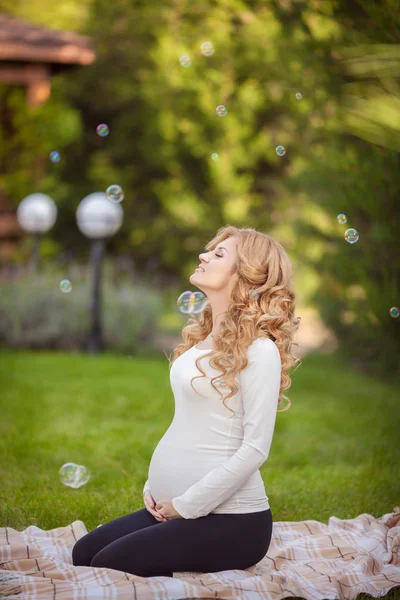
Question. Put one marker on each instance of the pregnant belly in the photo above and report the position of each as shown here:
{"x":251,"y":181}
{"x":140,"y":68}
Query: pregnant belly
{"x":173,"y":470}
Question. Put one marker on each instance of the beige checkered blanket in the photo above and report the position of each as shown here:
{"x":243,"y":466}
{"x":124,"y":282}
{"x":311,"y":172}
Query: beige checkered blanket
{"x":306,"y":558}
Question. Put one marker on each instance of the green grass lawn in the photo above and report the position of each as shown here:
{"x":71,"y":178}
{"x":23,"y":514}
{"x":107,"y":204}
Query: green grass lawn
{"x":333,"y":453}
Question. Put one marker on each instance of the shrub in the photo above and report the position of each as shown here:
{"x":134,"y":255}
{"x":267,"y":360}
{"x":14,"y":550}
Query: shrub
{"x":35,"y":313}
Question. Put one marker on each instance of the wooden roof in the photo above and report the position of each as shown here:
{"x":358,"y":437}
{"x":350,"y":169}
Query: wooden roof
{"x":23,"y":41}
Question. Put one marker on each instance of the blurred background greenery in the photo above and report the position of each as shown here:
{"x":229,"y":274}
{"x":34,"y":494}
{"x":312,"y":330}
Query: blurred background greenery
{"x":342,"y":141}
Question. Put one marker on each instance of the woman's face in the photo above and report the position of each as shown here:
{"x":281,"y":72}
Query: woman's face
{"x":219,"y":265}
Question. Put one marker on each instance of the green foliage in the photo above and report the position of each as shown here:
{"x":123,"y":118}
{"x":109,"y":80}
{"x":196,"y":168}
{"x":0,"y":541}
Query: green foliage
{"x":67,"y":14}
{"x":27,"y":140}
{"x":163,"y":122}
{"x":358,"y":283}
{"x":372,"y":100}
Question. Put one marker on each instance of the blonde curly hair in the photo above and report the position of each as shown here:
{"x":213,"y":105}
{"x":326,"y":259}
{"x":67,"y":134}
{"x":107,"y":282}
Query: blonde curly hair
{"x":262,"y":305}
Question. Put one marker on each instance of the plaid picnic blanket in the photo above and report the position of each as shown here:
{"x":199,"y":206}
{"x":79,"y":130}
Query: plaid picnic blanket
{"x":308,"y":559}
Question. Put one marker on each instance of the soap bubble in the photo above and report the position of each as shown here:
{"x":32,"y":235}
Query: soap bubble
{"x":299,"y":95}
{"x":214,"y":156}
{"x":55,"y":156}
{"x":114,"y":193}
{"x":351,"y":236}
{"x":207,"y":48}
{"x":253,"y":295}
{"x":191,"y":302}
{"x":65,"y":286}
{"x":342,"y":219}
{"x":394,"y":312}
{"x":221,"y":110}
{"x":185,"y":61}
{"x":73,"y":475}
{"x":102,"y":130}
{"x":280,"y":150}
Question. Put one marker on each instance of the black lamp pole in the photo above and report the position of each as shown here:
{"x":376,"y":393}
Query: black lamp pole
{"x":35,"y":257}
{"x":95,"y":338}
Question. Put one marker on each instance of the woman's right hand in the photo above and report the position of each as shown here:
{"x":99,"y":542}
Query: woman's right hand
{"x":150,"y":506}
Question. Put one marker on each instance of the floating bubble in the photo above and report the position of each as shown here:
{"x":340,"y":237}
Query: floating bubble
{"x":102,"y":130}
{"x":221,"y":110}
{"x":299,"y":95}
{"x":207,"y":48}
{"x":73,"y":475}
{"x":65,"y":286}
{"x":351,"y":236}
{"x":342,"y":219}
{"x":253,"y":295}
{"x":185,"y":61}
{"x":214,"y":156}
{"x":55,"y":156}
{"x":114,"y":193}
{"x":191,"y":302}
{"x":280,"y":150}
{"x":394,"y":312}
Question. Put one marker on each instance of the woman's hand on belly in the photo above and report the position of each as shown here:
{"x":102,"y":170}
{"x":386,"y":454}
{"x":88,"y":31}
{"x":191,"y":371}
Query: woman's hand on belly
{"x":166,"y":508}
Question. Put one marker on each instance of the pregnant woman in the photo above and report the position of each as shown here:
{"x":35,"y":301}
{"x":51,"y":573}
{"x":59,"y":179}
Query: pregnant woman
{"x":206,"y":508}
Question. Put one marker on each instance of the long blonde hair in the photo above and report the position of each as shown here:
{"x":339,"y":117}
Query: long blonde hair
{"x":261,"y":305}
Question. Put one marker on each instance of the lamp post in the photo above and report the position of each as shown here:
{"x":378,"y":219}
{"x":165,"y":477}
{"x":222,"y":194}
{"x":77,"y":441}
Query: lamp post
{"x":98,"y":219}
{"x":36,"y":214}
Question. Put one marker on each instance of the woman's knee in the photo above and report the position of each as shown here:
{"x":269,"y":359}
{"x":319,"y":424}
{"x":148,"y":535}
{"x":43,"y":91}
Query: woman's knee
{"x":81,"y":555}
{"x":98,"y":560}
{"x":107,"y":558}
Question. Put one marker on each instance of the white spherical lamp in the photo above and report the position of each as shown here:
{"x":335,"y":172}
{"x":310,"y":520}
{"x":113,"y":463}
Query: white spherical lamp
{"x":37,"y":213}
{"x":97,"y":217}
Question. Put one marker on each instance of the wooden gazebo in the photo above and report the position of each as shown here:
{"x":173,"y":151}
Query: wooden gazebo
{"x":30,"y":55}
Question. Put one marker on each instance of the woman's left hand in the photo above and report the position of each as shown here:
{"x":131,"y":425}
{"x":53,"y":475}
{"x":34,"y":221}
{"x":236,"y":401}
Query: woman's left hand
{"x":167,"y":510}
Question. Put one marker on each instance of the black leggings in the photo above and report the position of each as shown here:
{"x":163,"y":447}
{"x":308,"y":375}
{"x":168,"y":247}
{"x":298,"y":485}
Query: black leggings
{"x":139,"y":544}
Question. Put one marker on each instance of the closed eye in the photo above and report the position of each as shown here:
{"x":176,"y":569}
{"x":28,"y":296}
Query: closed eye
{"x":216,"y":254}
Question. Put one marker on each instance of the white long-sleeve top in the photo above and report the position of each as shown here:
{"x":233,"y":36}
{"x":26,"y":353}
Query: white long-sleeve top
{"x":209,"y":458}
